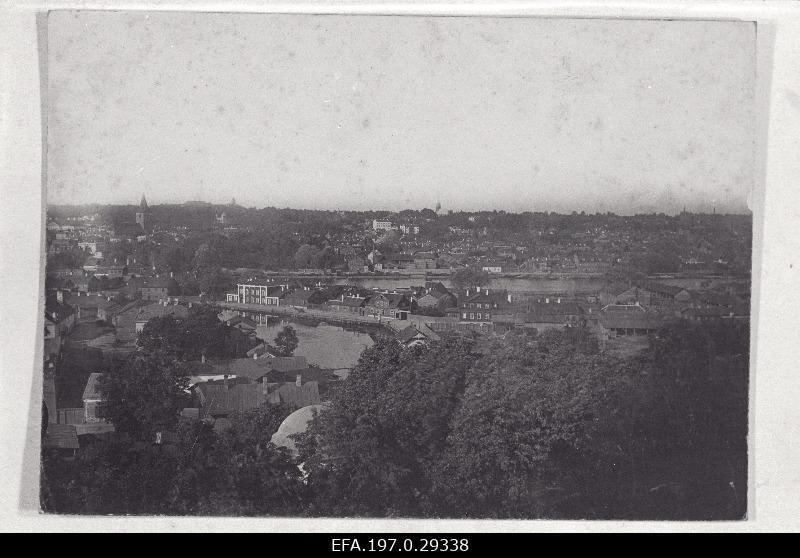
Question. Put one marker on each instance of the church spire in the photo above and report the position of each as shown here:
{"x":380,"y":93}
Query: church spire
{"x":143,"y":203}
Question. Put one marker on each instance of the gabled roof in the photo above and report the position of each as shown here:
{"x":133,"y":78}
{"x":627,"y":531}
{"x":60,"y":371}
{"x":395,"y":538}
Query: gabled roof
{"x":300,"y":294}
{"x":92,"y":390}
{"x":395,"y":299}
{"x":669,"y":290}
{"x":285,"y":363}
{"x":355,"y":302}
{"x":616,"y":288}
{"x":222,"y":399}
{"x":296,"y":396}
{"x":436,"y":295}
{"x":258,"y":350}
{"x":436,"y":286}
{"x":410,"y":333}
{"x":480,"y":297}
{"x":134,"y":305}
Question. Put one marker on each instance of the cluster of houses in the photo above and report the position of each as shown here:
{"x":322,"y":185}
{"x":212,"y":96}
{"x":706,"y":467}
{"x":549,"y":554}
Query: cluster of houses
{"x":360,"y":302}
{"x":618,"y":309}
{"x":218,"y":390}
{"x":224,"y":388}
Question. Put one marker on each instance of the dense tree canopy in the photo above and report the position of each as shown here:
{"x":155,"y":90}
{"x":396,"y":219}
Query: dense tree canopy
{"x":376,"y":450}
{"x":200,"y":334}
{"x":516,"y":426}
{"x":542,"y":427}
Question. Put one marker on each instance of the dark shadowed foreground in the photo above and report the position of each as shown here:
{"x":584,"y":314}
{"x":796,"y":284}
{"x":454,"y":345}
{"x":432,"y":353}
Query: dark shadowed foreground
{"x":519,"y":427}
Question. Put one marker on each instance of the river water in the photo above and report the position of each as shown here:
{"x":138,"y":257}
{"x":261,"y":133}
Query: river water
{"x":535,"y":285}
{"x":325,"y":345}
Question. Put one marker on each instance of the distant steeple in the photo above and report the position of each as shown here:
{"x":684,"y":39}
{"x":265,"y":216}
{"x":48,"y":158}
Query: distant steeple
{"x":143,"y":214}
{"x":233,"y":201}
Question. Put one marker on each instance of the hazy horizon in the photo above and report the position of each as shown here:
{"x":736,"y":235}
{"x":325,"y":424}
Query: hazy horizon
{"x":201,"y":203}
{"x":381,"y":113}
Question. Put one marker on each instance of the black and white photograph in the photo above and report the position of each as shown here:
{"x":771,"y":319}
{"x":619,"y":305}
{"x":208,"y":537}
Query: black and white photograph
{"x":396,"y":266}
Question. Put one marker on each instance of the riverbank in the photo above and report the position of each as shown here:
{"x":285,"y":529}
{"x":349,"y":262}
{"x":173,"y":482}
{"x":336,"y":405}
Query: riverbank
{"x":307,"y":314}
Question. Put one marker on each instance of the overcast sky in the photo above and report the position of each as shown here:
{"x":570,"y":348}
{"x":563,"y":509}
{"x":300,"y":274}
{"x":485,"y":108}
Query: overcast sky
{"x":366,"y":112}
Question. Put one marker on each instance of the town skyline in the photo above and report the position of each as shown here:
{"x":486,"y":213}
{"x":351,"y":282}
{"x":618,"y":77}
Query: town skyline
{"x":444,"y":209}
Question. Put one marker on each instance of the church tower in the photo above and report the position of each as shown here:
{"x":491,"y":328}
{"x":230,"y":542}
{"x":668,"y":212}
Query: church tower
{"x":142,"y":216}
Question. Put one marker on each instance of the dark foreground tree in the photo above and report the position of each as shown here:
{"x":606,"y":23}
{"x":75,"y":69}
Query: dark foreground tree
{"x":538,"y":427}
{"x":237,"y":471}
{"x":145,"y":395}
{"x":195,"y":470}
{"x":376,"y":450}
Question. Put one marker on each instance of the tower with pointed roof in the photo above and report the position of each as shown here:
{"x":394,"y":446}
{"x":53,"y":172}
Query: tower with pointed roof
{"x":143,"y":215}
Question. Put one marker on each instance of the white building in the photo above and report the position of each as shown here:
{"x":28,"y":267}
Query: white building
{"x":266,"y":295}
{"x":381,"y":225}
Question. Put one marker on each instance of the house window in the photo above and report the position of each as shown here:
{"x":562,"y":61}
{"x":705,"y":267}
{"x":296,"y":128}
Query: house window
{"x":472,"y":316}
{"x":465,"y":315}
{"x":479,"y":315}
